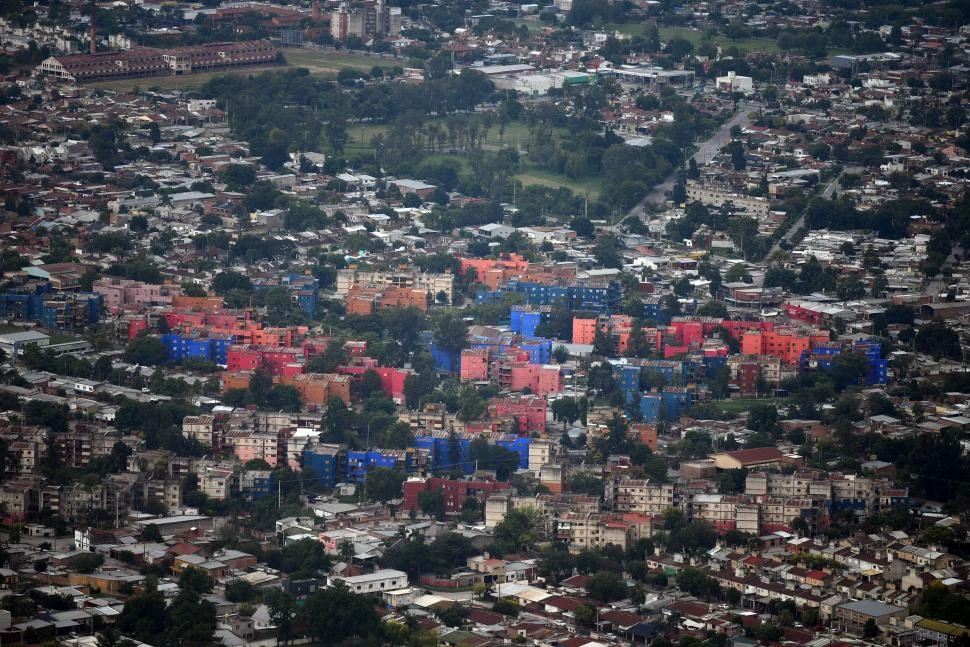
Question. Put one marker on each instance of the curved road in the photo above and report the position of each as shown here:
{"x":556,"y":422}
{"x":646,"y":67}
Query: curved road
{"x":705,"y":153}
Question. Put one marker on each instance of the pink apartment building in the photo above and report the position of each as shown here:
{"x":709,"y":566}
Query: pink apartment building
{"x":474,"y":364}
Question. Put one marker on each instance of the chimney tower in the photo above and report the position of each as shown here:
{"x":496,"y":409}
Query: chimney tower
{"x":94,"y":28}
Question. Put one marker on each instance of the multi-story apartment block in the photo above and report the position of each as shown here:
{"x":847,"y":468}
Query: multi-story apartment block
{"x":455,"y":491}
{"x":165,"y":492}
{"x":327,"y":461}
{"x":432,"y":283}
{"x":624,"y":494}
{"x":592,"y":531}
{"x":541,"y":452}
{"x":255,"y":445}
{"x":218,"y":480}
{"x":529,"y":411}
{"x":787,"y":485}
{"x":203,"y":429}
{"x":119,"y":292}
{"x":758,"y":208}
{"x":19,"y":497}
{"x":726,"y":512}
{"x":783,"y":510}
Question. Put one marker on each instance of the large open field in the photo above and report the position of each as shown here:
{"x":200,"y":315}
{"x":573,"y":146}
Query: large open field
{"x":174,"y":82}
{"x":328,"y":64}
{"x":515,"y":136}
{"x":697,"y":36}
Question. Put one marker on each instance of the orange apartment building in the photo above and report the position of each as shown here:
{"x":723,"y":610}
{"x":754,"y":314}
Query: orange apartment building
{"x":314,"y":388}
{"x":646,"y":433}
{"x":366,"y":299}
{"x":206,"y":304}
{"x":783,"y":343}
{"x":494,"y":272}
{"x":320,"y":388}
{"x":619,"y":327}
{"x":243,"y":332}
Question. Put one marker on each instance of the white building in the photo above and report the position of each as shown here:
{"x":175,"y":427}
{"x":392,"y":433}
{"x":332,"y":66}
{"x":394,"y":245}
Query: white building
{"x":734,"y":83}
{"x":377,"y":582}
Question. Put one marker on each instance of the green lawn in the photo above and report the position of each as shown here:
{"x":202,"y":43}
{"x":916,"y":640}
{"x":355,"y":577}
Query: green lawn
{"x":742,"y":405}
{"x":516,"y":134}
{"x":696,"y":36}
{"x":332,"y":62}
{"x":532,"y":175}
{"x":177,"y":82}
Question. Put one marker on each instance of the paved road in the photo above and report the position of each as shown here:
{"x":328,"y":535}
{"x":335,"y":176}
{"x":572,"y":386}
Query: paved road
{"x":705,"y":153}
{"x":798,"y":224}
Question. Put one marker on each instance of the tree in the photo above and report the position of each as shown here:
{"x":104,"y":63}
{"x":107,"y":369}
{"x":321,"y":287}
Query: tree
{"x":146,"y":351}
{"x":556,"y":563}
{"x":383,"y":484}
{"x":190,"y":621}
{"x":583,"y":227}
{"x":586,"y":484}
{"x":370,"y":382}
{"x":241,"y":591}
{"x":144,"y":616}
{"x":603,"y":344}
{"x":432,"y":503}
{"x":870,"y":630}
{"x":88,"y":562}
{"x":229,"y":280}
{"x":561,"y":354}
{"x":606,"y":252}
{"x":451,"y":336}
{"x":697,"y":582}
{"x":737,"y":273}
{"x":472,"y":406}
{"x":195,"y":580}
{"x":470,"y":510}
{"x":334,"y":614}
{"x":111,"y":637}
{"x":282,"y":611}
{"x":519,"y":530}
{"x":939,"y":340}
{"x":606,"y":586}
{"x":616,"y":440}
{"x":565,"y":410}
{"x":283,"y":397}
{"x":713,"y":309}
{"x":585,"y":615}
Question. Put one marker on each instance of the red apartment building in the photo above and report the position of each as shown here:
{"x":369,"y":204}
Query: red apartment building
{"x":455,"y":491}
{"x":530,"y":412}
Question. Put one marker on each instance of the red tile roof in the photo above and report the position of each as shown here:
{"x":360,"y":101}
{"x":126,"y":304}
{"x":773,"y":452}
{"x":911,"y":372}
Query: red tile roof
{"x":756,"y":455}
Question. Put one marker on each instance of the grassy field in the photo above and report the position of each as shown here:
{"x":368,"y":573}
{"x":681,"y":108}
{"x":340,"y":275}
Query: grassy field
{"x":696,"y":36}
{"x":515,"y":136}
{"x":175,"y":82}
{"x":743,"y":405}
{"x":329,"y":63}
{"x":532,"y":175}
